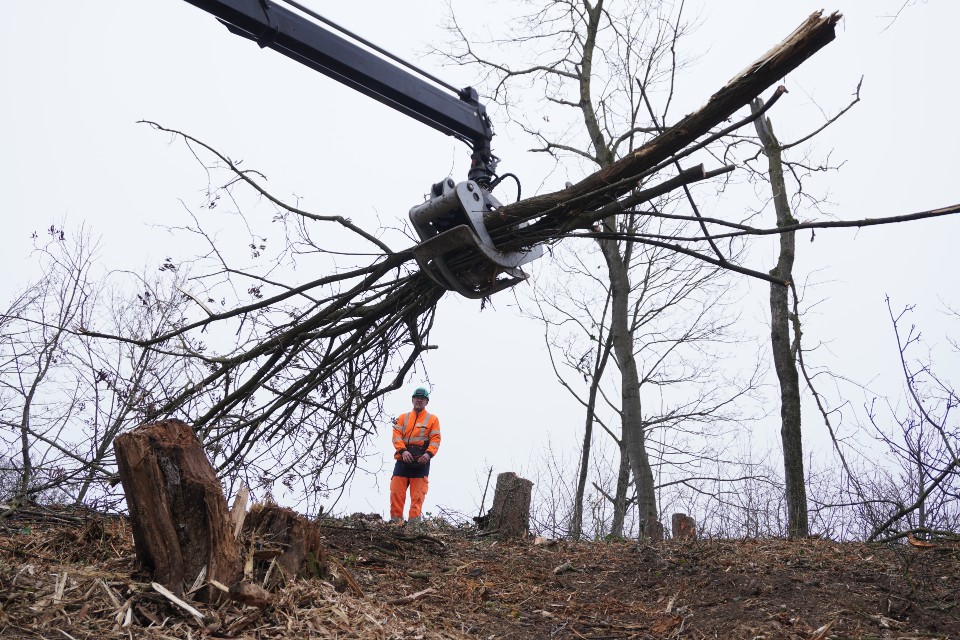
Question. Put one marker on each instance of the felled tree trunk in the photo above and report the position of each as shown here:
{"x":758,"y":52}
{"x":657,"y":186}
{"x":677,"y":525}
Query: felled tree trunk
{"x":510,"y":514}
{"x":178,"y":511}
{"x":286,"y":538}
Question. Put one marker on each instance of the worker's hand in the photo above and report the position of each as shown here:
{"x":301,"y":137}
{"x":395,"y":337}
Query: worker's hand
{"x":424,"y":459}
{"x":406,"y":456}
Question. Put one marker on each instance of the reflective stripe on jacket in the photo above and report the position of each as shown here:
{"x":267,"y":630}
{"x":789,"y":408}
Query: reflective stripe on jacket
{"x":416,"y":433}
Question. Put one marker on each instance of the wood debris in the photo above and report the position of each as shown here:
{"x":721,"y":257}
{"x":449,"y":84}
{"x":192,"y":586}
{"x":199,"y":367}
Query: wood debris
{"x":702,"y":588}
{"x":410,"y":598}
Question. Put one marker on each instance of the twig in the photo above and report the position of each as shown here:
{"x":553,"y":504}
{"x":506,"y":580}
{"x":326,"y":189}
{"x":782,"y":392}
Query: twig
{"x":162,"y":590}
{"x":349,"y":578}
{"x":410,"y":598}
{"x":483,"y":500}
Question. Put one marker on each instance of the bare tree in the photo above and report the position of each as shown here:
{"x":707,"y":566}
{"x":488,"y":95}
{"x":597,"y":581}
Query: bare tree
{"x":922,"y":493}
{"x":784,"y":350}
{"x":38,"y":404}
{"x":784,"y":323}
{"x":601,"y":68}
{"x":68,"y":395}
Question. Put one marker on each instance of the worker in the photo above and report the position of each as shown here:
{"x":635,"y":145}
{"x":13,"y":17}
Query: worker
{"x":416,"y":438}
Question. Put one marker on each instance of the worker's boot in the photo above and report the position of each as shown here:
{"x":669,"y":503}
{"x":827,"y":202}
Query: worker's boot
{"x":397,"y":522}
{"x":416,"y":522}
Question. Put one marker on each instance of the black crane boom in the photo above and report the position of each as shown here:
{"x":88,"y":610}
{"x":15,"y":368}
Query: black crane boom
{"x":300,"y":38}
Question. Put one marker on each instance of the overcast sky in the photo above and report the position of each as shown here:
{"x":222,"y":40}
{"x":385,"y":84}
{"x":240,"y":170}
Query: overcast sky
{"x":78,"y":75}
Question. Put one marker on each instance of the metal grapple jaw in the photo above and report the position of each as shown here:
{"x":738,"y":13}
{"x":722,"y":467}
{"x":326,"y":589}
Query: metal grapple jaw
{"x":453,"y":220}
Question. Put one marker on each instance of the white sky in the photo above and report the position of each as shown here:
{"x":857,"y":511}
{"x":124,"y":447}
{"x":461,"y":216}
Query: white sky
{"x":78,"y":75}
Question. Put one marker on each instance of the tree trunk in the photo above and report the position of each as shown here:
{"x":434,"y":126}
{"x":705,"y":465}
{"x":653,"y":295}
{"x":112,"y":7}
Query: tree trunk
{"x":618,"y":269}
{"x":510,"y":513}
{"x":784,"y":356}
{"x":178,"y":512}
{"x":620,"y":497}
{"x":631,"y":416}
{"x":576,"y":519}
{"x":816,"y":32}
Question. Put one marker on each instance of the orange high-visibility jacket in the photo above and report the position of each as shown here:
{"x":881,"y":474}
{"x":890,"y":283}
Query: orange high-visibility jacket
{"x":417,"y":433}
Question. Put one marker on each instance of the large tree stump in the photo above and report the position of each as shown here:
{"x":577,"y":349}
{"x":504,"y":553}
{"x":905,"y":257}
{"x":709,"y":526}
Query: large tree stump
{"x":178,"y":512}
{"x":510,"y":513}
{"x":288,"y":540}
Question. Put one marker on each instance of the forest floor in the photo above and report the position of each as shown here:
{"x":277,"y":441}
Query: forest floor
{"x":75,"y":576}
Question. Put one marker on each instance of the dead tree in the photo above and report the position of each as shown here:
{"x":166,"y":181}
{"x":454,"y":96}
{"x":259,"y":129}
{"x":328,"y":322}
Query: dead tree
{"x":178,"y":513}
{"x":510,"y":513}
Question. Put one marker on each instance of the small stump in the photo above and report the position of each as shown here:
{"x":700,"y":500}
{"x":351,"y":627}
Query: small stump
{"x":510,"y":513}
{"x":684,"y":527}
{"x":286,"y":538}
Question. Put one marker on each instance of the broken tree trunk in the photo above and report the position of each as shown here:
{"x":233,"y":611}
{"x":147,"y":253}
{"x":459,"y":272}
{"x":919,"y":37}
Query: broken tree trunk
{"x":510,"y":513}
{"x":783,"y":344}
{"x":561,"y":208}
{"x":286,"y":539}
{"x":181,"y":524}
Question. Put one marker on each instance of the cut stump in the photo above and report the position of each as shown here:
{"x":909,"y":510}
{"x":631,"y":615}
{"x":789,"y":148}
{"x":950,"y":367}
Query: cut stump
{"x":178,"y":513}
{"x":684,"y":527}
{"x":510,"y":513}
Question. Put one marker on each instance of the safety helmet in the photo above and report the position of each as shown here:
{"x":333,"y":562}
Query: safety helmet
{"x":421,"y":392}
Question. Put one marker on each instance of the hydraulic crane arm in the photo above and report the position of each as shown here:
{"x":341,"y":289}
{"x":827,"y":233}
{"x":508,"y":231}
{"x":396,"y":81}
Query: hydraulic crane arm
{"x":454,"y":112}
{"x":453,"y":220}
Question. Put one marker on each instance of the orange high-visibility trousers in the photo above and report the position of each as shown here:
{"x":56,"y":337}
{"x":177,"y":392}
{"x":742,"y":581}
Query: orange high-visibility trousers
{"x":398,"y":495}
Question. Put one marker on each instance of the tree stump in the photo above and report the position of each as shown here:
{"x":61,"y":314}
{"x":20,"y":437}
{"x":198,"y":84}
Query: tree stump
{"x":684,"y":527}
{"x":178,"y":513}
{"x":286,"y":538}
{"x":510,"y":513}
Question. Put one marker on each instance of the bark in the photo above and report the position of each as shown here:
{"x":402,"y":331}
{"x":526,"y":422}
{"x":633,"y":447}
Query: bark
{"x":784,"y":355}
{"x":510,"y":513}
{"x":178,"y":513}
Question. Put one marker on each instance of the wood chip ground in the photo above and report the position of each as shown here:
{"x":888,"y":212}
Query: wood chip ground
{"x":74,"y":577}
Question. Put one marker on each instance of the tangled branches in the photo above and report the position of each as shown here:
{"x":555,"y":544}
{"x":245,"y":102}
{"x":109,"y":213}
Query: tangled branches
{"x":293,"y":375}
